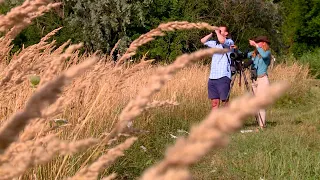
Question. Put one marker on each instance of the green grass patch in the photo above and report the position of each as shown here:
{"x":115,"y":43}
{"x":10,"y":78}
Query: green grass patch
{"x":287,"y":149}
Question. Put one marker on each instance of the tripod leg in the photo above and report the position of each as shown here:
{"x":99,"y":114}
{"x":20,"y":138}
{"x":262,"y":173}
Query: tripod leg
{"x":231,"y":85}
{"x":246,"y":81}
{"x":240,"y":74}
{"x":257,"y":117}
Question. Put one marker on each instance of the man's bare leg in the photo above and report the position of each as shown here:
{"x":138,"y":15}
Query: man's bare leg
{"x":215,"y":103}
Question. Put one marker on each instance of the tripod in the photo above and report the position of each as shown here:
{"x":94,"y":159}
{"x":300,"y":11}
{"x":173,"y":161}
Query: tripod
{"x":241,"y":72}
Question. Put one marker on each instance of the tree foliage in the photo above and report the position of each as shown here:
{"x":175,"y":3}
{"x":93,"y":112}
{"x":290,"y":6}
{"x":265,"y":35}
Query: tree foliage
{"x":245,"y":19}
{"x":301,"y":28}
{"x":101,"y":23}
{"x":290,"y":24}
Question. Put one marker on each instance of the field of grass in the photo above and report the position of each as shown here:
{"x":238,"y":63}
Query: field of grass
{"x":287,"y":149}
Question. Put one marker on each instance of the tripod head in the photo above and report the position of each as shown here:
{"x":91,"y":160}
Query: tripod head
{"x":240,"y":61}
{"x":238,"y":55}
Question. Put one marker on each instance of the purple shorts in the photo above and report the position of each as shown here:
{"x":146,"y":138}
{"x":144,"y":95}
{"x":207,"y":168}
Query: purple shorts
{"x":219,"y":88}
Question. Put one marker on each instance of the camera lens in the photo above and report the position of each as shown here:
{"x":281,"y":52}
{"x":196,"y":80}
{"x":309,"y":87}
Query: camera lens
{"x":233,"y":55}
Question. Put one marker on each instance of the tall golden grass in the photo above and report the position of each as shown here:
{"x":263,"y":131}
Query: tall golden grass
{"x":96,"y":101}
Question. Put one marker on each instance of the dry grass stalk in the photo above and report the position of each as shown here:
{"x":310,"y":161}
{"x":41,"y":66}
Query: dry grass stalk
{"x":211,"y":133}
{"x":39,"y":128}
{"x":21,"y":16}
{"x":29,"y":60}
{"x":175,"y":173}
{"x":28,"y":154}
{"x":121,"y":75}
{"x":96,"y":95}
{"x":91,"y":172}
{"x":110,"y":177}
{"x":34,"y":130}
{"x":5,"y":48}
{"x":9,"y":73}
{"x":48,"y":36}
{"x":109,"y":58}
{"x":165,"y":27}
{"x":45,"y":96}
{"x":57,"y":63}
{"x":28,"y":20}
{"x":156,"y":104}
{"x":126,"y":73}
{"x":16,"y":20}
{"x":56,"y":108}
{"x":60,"y":49}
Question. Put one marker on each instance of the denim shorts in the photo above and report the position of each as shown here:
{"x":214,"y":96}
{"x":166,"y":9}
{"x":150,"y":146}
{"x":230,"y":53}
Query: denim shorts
{"x":219,"y":88}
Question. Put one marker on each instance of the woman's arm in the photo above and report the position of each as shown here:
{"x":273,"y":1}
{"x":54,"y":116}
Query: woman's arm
{"x":264,"y":54}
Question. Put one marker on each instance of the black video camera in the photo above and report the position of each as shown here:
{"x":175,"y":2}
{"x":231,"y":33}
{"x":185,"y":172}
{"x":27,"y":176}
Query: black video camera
{"x":240,"y":61}
{"x":239,"y":58}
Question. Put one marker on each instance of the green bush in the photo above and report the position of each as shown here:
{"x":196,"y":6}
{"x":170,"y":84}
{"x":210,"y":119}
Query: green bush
{"x":313,"y":59}
{"x":301,"y":25}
